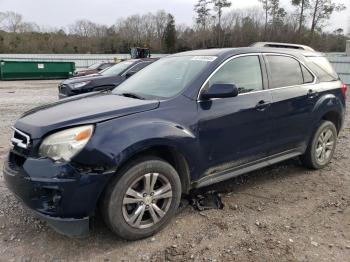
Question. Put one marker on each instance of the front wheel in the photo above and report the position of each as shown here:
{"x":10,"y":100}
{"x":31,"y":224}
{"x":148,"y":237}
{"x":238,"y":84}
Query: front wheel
{"x":143,"y":199}
{"x":322,"y":146}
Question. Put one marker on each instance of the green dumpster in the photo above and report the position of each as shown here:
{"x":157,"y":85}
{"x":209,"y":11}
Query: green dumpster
{"x":23,"y":70}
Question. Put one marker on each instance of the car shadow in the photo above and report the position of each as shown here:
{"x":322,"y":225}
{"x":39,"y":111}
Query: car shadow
{"x":282,"y":170}
{"x":291,"y":167}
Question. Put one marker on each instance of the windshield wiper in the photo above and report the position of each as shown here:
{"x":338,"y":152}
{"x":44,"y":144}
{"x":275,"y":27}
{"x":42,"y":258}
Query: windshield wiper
{"x":132,"y":95}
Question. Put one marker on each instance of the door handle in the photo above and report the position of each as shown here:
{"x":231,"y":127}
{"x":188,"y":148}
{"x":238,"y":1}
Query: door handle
{"x":311,"y":93}
{"x":262,"y":105}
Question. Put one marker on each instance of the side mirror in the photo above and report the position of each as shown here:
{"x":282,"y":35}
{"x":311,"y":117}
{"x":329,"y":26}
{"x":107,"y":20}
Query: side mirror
{"x":130,"y":73}
{"x":220,"y":91}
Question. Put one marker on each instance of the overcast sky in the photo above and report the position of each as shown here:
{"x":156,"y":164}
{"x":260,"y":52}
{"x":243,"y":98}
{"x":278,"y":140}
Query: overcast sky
{"x":61,"y":13}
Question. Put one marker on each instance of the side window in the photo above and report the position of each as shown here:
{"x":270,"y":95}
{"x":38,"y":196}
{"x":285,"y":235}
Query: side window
{"x":284,"y":71}
{"x":244,"y":72}
{"x":308,"y":77}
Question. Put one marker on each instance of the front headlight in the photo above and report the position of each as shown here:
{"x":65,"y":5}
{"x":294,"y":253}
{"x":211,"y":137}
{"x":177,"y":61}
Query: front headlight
{"x":79,"y":85}
{"x":65,"y":144}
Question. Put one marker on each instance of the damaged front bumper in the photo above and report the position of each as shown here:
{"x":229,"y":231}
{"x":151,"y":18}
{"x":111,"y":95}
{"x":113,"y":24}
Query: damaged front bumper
{"x":72,"y":227}
{"x":62,"y":196}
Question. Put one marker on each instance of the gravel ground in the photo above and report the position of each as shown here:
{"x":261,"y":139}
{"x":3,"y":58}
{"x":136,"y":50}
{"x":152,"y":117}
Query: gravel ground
{"x":280,"y":213}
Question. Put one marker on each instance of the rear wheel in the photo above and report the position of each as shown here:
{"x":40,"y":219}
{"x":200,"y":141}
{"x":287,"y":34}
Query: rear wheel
{"x":143,"y":199}
{"x":322,"y":146}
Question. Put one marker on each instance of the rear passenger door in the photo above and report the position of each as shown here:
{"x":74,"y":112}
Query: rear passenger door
{"x":293,"y":99}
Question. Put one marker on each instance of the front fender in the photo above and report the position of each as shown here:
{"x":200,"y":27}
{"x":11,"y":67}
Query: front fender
{"x":113,"y":144}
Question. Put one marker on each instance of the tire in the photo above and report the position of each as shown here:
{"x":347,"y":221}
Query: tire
{"x":318,"y":146}
{"x":122,"y":208}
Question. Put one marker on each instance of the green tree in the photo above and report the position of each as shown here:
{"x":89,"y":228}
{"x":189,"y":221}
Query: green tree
{"x":203,"y":13}
{"x":170,"y":35}
{"x":277,"y":14}
{"x":218,"y":6}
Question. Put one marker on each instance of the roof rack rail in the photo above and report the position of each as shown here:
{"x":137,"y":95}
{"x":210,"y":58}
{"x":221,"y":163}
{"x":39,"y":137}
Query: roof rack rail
{"x":282,"y":45}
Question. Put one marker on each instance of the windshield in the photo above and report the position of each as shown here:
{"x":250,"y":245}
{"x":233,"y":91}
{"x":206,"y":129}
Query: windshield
{"x":117,"y":69}
{"x":94,"y":66}
{"x":165,"y":78}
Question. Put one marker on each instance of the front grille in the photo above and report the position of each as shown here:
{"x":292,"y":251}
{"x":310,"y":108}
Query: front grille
{"x":19,"y":136}
{"x":20,"y":139}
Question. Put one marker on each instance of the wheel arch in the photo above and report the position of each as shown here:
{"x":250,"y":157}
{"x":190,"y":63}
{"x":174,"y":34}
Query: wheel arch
{"x":334,"y":117}
{"x":329,"y":108}
{"x":169,"y":154}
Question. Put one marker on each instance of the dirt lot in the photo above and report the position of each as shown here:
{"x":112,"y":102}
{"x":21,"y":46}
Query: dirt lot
{"x":280,"y":213}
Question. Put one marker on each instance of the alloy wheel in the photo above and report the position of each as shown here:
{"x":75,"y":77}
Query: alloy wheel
{"x":147,"y":200}
{"x":324,"y":147}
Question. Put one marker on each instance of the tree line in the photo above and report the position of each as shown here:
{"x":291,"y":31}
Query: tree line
{"x":215,"y":25}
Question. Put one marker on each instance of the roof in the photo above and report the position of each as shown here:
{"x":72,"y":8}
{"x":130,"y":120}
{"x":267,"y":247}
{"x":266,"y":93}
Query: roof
{"x":282,"y":45}
{"x":134,"y":60}
{"x":243,"y":50}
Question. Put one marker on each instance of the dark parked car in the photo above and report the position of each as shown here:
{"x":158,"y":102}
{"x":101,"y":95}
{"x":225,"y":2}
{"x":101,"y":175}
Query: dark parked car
{"x":184,"y":122}
{"x":107,"y":79}
{"x":93,"y":69}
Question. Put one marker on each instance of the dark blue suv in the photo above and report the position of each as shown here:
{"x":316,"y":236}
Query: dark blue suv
{"x":184,"y":122}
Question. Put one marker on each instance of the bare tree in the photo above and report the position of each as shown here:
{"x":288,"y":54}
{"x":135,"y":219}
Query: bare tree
{"x":28,"y":27}
{"x":2,"y":19}
{"x":160,"y":19}
{"x":84,"y":28}
{"x":239,"y":27}
{"x":267,"y":7}
{"x":321,"y":11}
{"x":12,"y":21}
{"x":302,"y":5}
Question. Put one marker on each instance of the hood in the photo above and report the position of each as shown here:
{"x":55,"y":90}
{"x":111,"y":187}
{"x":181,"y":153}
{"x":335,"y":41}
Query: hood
{"x":87,"y":109}
{"x":92,"y":77}
{"x":86,"y":71}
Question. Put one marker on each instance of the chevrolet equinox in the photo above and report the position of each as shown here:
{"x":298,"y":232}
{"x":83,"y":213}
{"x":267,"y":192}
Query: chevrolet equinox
{"x":186,"y":121}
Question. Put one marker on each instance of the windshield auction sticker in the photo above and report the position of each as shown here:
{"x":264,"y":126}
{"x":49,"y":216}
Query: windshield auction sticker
{"x":204,"y":58}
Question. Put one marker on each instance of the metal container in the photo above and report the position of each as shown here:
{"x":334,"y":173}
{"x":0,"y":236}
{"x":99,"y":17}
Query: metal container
{"x":341,"y":65}
{"x":22,"y":70}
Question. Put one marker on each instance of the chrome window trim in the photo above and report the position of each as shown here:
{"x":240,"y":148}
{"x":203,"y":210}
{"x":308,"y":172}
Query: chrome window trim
{"x":263,"y":90}
{"x":19,"y":142}
{"x":301,"y":62}
{"x":219,"y":67}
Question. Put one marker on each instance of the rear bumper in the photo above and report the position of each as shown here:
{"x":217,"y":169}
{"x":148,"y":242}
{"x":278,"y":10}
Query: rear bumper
{"x":60,"y":195}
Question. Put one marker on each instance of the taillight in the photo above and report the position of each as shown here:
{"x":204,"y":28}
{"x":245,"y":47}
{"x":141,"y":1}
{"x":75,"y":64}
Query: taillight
{"x":344,"y":88}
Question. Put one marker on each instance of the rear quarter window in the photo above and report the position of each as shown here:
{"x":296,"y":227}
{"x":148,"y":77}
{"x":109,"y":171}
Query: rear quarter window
{"x":308,"y":77}
{"x":284,"y":71}
{"x":324,"y":70}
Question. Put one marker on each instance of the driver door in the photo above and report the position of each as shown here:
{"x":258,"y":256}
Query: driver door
{"x":236,"y":131}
